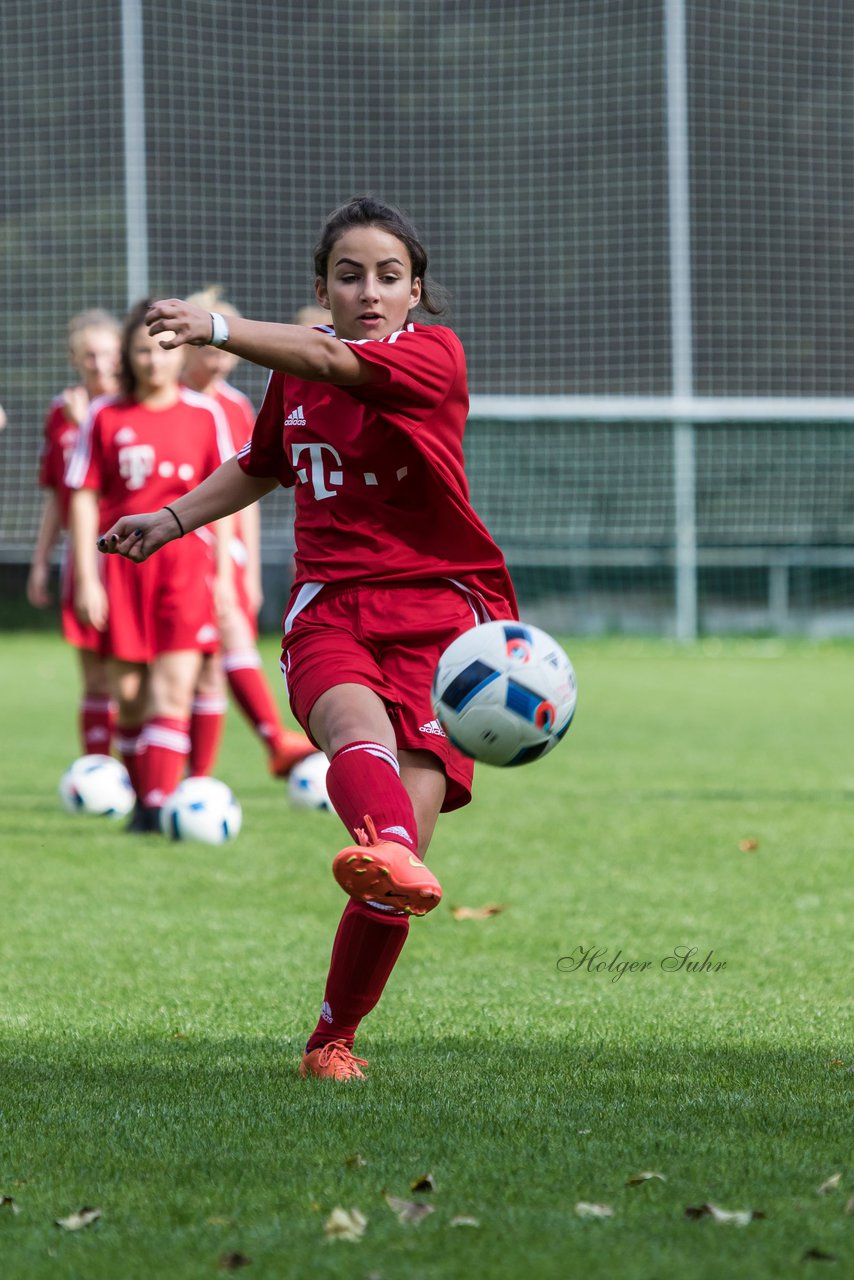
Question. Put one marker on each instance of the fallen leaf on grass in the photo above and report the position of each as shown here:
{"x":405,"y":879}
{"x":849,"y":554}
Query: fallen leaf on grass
{"x":832,"y":1184}
{"x":462,"y":1221}
{"x":355,"y":1161}
{"x":585,"y":1209}
{"x":10,"y":1203}
{"x":232,"y":1261}
{"x":817,"y":1255}
{"x":836,"y":1062}
{"x":217,"y":1221}
{"x":748,"y":846}
{"x":345,"y":1224}
{"x":647,"y":1176}
{"x":425,"y":1183}
{"x":849,"y":1208}
{"x":77,"y":1221}
{"x":737,"y":1217}
{"x":408,"y":1212}
{"x":478,"y":913}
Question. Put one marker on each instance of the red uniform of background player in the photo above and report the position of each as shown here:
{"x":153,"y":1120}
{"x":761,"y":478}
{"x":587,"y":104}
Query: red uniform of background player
{"x":392,"y":564}
{"x":93,"y":348}
{"x":154,"y":442}
{"x":238,"y":661}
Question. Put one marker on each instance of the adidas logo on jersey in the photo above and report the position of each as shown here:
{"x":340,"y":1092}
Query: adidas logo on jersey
{"x":433,"y":726}
{"x":296,"y":418}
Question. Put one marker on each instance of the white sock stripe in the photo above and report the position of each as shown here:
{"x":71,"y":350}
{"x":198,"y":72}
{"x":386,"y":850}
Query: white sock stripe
{"x":383,"y":906}
{"x":209,"y":704}
{"x":241,"y":660}
{"x":96,"y":704}
{"x":130,"y":746}
{"x":167,"y":739}
{"x":374,"y":749}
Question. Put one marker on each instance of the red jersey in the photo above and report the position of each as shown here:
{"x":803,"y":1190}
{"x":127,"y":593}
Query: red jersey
{"x":60,"y":438}
{"x":140,"y":459}
{"x":380,"y":487}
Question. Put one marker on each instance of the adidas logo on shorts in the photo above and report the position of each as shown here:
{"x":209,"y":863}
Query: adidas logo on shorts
{"x":433,"y":726}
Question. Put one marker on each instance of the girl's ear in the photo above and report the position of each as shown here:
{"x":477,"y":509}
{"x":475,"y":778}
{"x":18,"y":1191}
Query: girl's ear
{"x":415,"y":292}
{"x":321,"y":292}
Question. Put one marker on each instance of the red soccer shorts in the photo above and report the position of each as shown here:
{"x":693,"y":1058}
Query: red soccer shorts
{"x":388,"y":637}
{"x":162,"y":605}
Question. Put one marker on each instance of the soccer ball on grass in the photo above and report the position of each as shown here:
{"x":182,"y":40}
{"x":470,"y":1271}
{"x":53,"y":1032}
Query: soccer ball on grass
{"x":201,"y":809}
{"x":505,"y":693}
{"x":97,"y":785}
{"x":307,"y":783}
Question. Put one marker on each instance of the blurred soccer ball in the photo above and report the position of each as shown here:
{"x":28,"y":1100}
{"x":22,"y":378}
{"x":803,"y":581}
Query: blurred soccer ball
{"x":504,"y":693}
{"x":201,"y":809}
{"x":307,"y":783}
{"x":97,"y":785}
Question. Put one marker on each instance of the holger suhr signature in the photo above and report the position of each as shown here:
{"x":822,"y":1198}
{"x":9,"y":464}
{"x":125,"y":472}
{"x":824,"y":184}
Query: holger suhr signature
{"x":681,"y":959}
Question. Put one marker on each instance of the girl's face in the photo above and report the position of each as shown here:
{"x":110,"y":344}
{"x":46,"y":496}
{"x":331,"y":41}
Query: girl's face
{"x":369,"y":286}
{"x":204,"y":366}
{"x":95,"y":356}
{"x":155,"y":370}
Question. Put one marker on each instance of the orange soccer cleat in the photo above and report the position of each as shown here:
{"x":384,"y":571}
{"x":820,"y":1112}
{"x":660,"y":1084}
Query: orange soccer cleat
{"x":287,"y":750}
{"x":390,"y":874}
{"x":332,"y":1061}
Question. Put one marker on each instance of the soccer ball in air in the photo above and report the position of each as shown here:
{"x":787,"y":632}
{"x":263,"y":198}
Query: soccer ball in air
{"x":97,"y":785}
{"x":307,"y":783}
{"x":504,"y":693}
{"x":201,"y":809}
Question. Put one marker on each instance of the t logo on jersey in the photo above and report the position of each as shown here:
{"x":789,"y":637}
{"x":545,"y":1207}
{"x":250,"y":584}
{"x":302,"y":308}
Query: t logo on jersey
{"x":136,"y":463}
{"x":318,"y":474}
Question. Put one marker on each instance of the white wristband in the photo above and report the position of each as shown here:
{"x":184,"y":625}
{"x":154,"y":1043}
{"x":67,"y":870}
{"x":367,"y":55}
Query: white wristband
{"x":219,"y":330}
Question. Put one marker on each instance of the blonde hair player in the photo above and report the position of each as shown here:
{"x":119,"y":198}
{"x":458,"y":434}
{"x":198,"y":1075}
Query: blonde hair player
{"x":206,"y":369}
{"x":93,"y":352}
{"x":366,"y":424}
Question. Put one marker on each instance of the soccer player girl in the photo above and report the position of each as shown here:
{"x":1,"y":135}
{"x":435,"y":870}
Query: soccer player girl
{"x":152,"y":442}
{"x":206,"y":369}
{"x":366,"y":422}
{"x":93,"y":350}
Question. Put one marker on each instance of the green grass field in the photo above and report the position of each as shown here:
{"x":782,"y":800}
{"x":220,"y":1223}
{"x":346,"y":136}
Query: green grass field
{"x":154,"y":999}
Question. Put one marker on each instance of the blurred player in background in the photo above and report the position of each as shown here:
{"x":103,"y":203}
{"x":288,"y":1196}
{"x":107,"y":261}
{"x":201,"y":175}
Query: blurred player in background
{"x":206,"y":370}
{"x":366,"y":423}
{"x":151,"y":443}
{"x":93,"y":350}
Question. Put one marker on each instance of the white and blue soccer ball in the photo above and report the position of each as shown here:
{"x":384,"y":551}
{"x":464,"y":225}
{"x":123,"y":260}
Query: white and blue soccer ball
{"x":97,"y":785}
{"x":201,"y":809}
{"x":505,"y":693}
{"x":307,"y":783}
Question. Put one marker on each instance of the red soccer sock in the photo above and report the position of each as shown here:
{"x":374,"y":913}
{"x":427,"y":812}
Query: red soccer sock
{"x":252,"y":694}
{"x":161,"y":766}
{"x":364,"y":777}
{"x":96,"y":725}
{"x":365,"y":951}
{"x":206,"y":726}
{"x":130,"y":746}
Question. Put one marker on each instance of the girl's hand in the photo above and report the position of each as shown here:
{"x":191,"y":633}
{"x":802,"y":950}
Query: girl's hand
{"x":225,"y":597}
{"x":90,"y":604}
{"x":183,"y":323}
{"x":37,"y":586}
{"x":75,"y":404}
{"x":138,"y":537}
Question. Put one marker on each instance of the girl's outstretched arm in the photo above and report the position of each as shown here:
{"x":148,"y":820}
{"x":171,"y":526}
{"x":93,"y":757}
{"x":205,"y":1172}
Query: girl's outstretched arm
{"x":226,"y":490}
{"x":290,"y":348}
